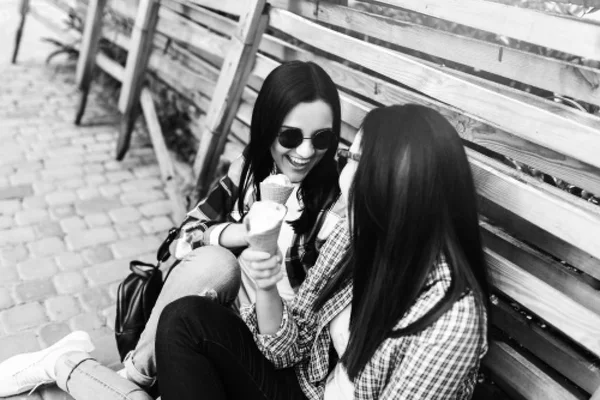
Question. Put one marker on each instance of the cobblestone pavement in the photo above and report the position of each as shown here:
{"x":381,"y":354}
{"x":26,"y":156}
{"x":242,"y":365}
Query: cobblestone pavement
{"x":71,"y":217}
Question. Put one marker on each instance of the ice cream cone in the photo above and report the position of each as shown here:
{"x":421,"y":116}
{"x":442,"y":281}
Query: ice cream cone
{"x":263,"y":224}
{"x":274,"y":192}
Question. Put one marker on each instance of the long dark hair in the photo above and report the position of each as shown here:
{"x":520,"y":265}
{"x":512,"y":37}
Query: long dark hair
{"x":412,"y":200}
{"x":284,"y":88}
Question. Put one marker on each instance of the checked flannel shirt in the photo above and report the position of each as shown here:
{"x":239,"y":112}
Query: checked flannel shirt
{"x":220,"y":208}
{"x":440,"y":362}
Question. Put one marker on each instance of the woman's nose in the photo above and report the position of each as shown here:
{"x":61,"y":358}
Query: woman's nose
{"x":306,"y":149}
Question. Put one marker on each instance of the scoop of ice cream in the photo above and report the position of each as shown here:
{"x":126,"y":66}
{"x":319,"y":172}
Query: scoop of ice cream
{"x":264,"y":216}
{"x":279,"y":179}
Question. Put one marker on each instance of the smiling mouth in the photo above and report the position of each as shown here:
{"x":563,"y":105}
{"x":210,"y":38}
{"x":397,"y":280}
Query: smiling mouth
{"x":298,"y":162}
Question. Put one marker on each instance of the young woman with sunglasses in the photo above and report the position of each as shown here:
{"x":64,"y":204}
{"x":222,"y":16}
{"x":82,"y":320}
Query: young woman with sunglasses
{"x":395,"y":307}
{"x":294,"y":131}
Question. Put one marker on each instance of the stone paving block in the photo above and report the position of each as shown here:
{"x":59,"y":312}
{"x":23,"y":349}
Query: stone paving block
{"x":93,"y":168}
{"x":96,"y":205}
{"x":74,"y":184}
{"x":32,"y":216}
{"x":118,"y":176}
{"x":70,"y":261}
{"x":156,"y":208}
{"x":6,"y":221}
{"x":20,"y":235}
{"x":22,"y":317}
{"x":87,"y":193}
{"x":110,"y":314}
{"x":9,"y":207}
{"x":17,"y":190}
{"x":6,"y":299}
{"x":61,"y":308}
{"x":96,"y":220}
{"x":95,"y":179}
{"x":61,"y":173}
{"x":34,"y":202}
{"x":69,"y":282}
{"x":156,"y":224}
{"x":87,"y":321}
{"x":99,"y":156}
{"x":94,"y":299}
{"x":96,"y":147}
{"x":47,"y":247}
{"x":97,"y":255}
{"x":134,"y":246}
{"x":61,"y":198}
{"x":113,"y":289}
{"x":37,"y":268}
{"x":51,"y":333}
{"x":108,"y":272}
{"x":24,"y":178}
{"x":124,"y":215}
{"x":110,"y":190}
{"x":11,"y":255}
{"x":30,"y":291}
{"x":16,"y":344}
{"x":60,"y":212}
{"x":126,"y":231}
{"x":48,"y":228}
{"x":90,"y":237}
{"x":142,"y":196}
{"x":42,"y":187}
{"x":8,"y":275}
{"x":73,"y":224}
{"x":141,"y":184}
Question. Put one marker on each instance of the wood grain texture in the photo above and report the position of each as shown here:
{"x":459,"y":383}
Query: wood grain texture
{"x":203,"y":16}
{"x":548,"y":30}
{"x":92,"y":32}
{"x":551,"y":74}
{"x":554,"y":127}
{"x":520,"y":377}
{"x":550,"y":304}
{"x":562,"y":356}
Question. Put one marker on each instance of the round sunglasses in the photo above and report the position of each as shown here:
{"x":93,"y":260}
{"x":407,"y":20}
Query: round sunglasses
{"x":291,"y":138}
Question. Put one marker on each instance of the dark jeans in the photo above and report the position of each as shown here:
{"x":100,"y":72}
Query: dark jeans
{"x":205,"y":351}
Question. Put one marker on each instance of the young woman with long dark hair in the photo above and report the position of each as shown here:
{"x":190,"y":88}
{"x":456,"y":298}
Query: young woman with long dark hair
{"x":294,"y":131}
{"x":395,"y":307}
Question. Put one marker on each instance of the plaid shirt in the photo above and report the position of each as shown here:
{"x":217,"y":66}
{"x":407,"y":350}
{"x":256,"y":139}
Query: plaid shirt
{"x":440,"y":362}
{"x":220,"y":207}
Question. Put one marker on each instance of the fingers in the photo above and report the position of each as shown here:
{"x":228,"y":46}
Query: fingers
{"x":255,"y":255}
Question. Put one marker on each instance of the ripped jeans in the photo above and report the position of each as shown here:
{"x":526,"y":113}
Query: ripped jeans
{"x":208,"y":270}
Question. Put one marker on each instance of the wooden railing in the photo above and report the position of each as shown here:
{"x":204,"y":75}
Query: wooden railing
{"x":521,"y":86}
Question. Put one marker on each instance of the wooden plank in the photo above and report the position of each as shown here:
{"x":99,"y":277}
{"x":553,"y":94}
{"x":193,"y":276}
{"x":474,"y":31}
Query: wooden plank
{"x":519,"y":376}
{"x":88,"y":50}
{"x":581,"y":369}
{"x":548,"y":30}
{"x":211,"y":20}
{"x":553,"y":210}
{"x":137,"y":59}
{"x":110,"y":66}
{"x":470,"y":127}
{"x":541,"y":266}
{"x":579,"y":138}
{"x":183,"y":30}
{"x":165,"y":164}
{"x":23,"y":10}
{"x":551,"y":74}
{"x":231,"y":83}
{"x":549,"y":303}
{"x":234,"y":7}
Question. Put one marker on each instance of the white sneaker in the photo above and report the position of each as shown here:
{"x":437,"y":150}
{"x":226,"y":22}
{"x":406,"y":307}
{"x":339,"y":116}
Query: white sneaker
{"x":26,"y":372}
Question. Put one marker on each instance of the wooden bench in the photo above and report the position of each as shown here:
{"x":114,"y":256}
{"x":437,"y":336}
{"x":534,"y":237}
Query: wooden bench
{"x":499,"y":73}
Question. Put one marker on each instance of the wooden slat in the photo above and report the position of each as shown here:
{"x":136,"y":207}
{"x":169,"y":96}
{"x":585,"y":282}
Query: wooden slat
{"x":541,"y":266}
{"x":230,"y":86}
{"x":548,"y":30}
{"x":183,"y":30}
{"x":234,"y":7}
{"x":544,"y":72}
{"x":579,"y":139}
{"x":519,"y":376}
{"x":560,"y":355}
{"x":550,"y":304}
{"x":211,"y":20}
{"x":557,"y":212}
{"x":110,"y":66}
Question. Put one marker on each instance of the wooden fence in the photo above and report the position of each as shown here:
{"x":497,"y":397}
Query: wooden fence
{"x":521,"y":86}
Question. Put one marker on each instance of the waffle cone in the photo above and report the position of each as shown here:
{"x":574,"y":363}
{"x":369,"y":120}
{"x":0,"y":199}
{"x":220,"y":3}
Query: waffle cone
{"x":277,"y":193}
{"x":265,"y":241}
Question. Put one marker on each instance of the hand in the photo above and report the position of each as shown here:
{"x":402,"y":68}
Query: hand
{"x":263,"y":268}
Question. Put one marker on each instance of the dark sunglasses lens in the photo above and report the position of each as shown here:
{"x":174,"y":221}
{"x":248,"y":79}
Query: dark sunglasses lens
{"x":290,"y":138}
{"x":323,"y":139}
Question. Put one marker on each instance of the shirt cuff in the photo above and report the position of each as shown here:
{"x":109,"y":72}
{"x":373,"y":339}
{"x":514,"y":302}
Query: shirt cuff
{"x":215,"y":234}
